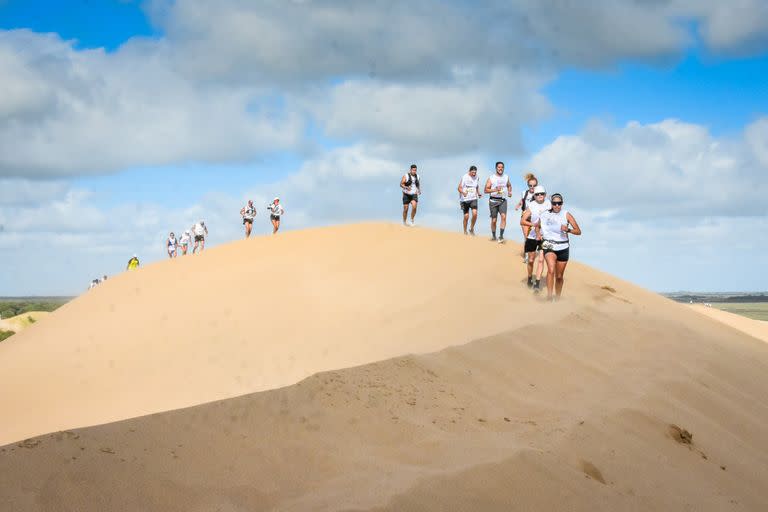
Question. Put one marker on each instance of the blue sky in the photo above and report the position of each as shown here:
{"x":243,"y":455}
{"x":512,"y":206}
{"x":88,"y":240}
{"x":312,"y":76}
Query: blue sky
{"x":162,"y":128}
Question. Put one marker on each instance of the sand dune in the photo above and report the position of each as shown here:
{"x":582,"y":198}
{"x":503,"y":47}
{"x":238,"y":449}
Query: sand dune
{"x":510,"y":403}
{"x":20,"y":322}
{"x":755,"y":328}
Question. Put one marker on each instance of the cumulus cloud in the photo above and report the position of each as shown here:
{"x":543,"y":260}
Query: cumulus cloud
{"x":661,"y":169}
{"x":68,"y":112}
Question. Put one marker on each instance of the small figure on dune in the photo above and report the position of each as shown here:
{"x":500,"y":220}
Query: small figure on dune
{"x":201,"y":231}
{"x":411,"y":186}
{"x":469,"y":193}
{"x":555,"y":225}
{"x":171,"y":245}
{"x":499,"y":188}
{"x":133,"y":263}
{"x":248,"y":213}
{"x":275,"y":212}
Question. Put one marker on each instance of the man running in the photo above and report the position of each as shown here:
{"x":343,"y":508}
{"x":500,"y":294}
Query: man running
{"x":532,"y":248}
{"x":200,"y":231}
{"x":499,"y":188}
{"x":469,"y":192}
{"x":133,"y":263}
{"x":411,"y":186}
{"x":248,"y":213}
{"x":275,"y":212}
{"x":171,"y":245}
{"x":186,"y":238}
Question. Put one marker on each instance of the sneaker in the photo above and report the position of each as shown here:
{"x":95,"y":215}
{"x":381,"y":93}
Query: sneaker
{"x":493,"y":238}
{"x":537,"y":286}
{"x":525,"y":258}
{"x":411,"y":223}
{"x":471,"y":232}
{"x":501,"y":240}
{"x":530,"y":282}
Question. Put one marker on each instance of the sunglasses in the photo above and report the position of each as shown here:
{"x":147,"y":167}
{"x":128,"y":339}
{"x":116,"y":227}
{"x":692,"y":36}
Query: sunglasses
{"x":558,"y":204}
{"x":540,"y":194}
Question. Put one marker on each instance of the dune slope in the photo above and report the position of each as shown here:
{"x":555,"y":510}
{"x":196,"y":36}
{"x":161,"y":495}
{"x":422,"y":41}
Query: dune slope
{"x":590,"y":412}
{"x":259,"y":314}
{"x":374,"y":367}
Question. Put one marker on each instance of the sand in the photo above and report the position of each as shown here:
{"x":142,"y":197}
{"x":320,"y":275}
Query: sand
{"x":20,"y":322}
{"x":755,"y":328}
{"x":387,"y":369}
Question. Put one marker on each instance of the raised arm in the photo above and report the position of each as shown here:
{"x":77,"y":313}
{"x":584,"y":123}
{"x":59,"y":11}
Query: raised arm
{"x":525,"y":220}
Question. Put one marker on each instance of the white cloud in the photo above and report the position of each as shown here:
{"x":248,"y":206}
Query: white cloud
{"x":656,"y":170}
{"x":469,"y":114}
{"x":70,"y":112}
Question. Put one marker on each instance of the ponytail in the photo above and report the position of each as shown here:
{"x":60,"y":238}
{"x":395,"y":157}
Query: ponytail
{"x":530,"y":176}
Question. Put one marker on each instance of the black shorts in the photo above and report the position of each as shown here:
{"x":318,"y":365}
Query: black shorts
{"x":248,"y":221}
{"x":274,"y":217}
{"x":407,"y":198}
{"x":468,"y":205}
{"x":199,"y":238}
{"x":562,"y":254}
{"x":532,"y":245}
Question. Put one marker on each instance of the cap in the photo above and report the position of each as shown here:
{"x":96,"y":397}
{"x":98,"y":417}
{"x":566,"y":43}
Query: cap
{"x":538,"y":189}
{"x":276,"y":199}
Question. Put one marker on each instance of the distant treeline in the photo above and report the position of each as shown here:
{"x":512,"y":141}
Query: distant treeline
{"x":762,"y":297}
{"x":13,"y":307}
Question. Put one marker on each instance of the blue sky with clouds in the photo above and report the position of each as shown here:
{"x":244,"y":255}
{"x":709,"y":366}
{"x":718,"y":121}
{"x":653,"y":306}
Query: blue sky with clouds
{"x":121,"y":120}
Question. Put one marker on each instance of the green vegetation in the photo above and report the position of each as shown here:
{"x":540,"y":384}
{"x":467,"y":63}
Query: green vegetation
{"x":755,"y":310}
{"x":5,"y":334}
{"x":30,"y":319}
{"x":12,"y":307}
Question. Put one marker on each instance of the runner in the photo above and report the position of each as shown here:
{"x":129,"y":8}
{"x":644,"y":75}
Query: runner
{"x":248,"y":212}
{"x":554,"y":226}
{"x":201,"y":231}
{"x":411,"y":185}
{"x":532,"y":248}
{"x":531,"y":181}
{"x":186,"y":238}
{"x":275,"y":212}
{"x":133,"y":263}
{"x":469,"y":192}
{"x":171,"y":245}
{"x":497,"y":203}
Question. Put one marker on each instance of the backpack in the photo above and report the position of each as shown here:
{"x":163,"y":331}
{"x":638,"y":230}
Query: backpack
{"x":410,"y":180}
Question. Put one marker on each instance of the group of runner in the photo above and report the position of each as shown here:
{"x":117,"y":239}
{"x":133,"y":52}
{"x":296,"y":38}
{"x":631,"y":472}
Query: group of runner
{"x":546,"y":225}
{"x":248,"y":213}
{"x":194,"y":237}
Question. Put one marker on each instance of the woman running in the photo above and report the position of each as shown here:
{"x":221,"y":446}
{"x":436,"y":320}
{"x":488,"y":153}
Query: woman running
{"x":526,"y":199}
{"x":186,"y":238}
{"x":248,"y":212}
{"x":275,"y":211}
{"x":172,"y":245}
{"x":532,"y":248}
{"x":554,"y":227}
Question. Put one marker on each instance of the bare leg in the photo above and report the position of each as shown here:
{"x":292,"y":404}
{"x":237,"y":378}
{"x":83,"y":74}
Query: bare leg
{"x":531,"y":258}
{"x":248,"y":226}
{"x":405,"y":213}
{"x":474,"y":220}
{"x":559,"y":280}
{"x":414,"y":206}
{"x":466,"y":219}
{"x":551,"y":259}
{"x":503,"y":221}
{"x":540,"y":267}
{"x":493,"y":225}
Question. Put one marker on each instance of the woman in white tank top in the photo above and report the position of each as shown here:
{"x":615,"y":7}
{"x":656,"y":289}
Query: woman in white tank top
{"x":554,"y":227}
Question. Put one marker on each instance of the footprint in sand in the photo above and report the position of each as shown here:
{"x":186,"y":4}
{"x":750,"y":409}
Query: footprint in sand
{"x":592,"y":472}
{"x":680,"y":435}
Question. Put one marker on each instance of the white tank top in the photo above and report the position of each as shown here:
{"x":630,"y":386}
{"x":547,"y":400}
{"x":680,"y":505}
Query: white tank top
{"x":412,"y":189}
{"x":550,"y":226}
{"x":499,"y":181}
{"x":536,"y":211}
{"x":469,"y":185}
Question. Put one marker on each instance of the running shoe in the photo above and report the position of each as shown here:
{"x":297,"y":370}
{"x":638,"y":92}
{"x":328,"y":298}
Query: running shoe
{"x":530,"y":282}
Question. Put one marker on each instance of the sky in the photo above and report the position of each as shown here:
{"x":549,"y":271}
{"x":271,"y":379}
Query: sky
{"x":123,"y":120}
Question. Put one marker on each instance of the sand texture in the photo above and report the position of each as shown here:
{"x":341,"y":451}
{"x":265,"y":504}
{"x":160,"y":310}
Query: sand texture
{"x":379,"y":368}
{"x":755,"y":328}
{"x":20,"y":322}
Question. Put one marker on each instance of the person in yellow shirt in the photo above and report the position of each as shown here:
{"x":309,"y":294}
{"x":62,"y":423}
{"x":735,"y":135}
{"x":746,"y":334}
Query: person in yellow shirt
{"x":133,"y":263}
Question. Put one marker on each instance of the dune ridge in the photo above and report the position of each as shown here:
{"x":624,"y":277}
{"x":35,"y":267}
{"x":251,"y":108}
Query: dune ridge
{"x":614,"y":399}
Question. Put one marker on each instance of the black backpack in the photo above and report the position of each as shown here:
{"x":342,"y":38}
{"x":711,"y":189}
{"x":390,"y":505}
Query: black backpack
{"x":410,"y":180}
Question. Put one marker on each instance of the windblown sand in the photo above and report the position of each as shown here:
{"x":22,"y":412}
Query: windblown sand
{"x":380,"y":368}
